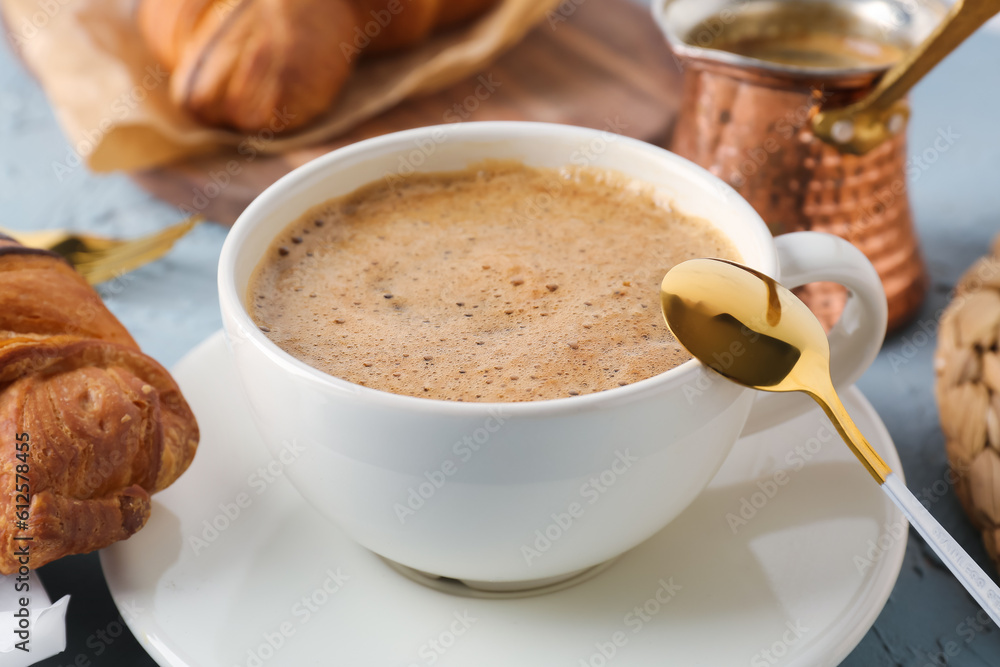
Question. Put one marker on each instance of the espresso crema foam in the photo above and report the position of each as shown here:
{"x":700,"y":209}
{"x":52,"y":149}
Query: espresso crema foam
{"x":496,"y":283}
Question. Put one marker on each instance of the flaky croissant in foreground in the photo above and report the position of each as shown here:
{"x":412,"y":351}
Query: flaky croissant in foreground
{"x":89,"y":425}
{"x":277,"y":64}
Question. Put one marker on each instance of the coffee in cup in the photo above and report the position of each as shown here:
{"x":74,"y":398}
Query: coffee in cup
{"x":496,"y":283}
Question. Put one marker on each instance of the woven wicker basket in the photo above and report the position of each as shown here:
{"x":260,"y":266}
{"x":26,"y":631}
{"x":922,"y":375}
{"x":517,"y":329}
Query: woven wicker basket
{"x":967,"y":366}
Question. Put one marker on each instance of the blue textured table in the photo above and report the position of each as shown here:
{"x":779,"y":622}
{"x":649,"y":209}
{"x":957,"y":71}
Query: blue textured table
{"x":172,"y":305}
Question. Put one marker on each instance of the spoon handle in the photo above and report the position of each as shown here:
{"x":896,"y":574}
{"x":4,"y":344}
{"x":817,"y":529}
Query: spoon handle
{"x":860,"y":127}
{"x":968,"y":573}
{"x":965,"y":17}
{"x":977,"y":582}
{"x":849,"y":431}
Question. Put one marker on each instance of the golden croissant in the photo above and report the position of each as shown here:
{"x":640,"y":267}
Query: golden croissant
{"x":89,"y":425}
{"x":274,"y":65}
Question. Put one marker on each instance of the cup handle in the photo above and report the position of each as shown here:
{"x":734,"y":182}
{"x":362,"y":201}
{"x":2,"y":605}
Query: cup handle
{"x":805,"y":257}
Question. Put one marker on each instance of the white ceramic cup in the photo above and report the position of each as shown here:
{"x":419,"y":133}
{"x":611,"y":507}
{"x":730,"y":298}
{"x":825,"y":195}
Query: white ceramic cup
{"x":516,"y":493}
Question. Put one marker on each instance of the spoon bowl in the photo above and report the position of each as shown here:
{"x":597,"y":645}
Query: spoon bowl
{"x":746,"y":327}
{"x":753,"y":331}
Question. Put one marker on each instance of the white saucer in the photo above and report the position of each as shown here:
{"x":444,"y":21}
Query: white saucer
{"x":787,"y":588}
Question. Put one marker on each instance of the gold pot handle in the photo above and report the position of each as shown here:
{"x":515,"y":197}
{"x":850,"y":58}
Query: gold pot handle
{"x":860,"y":127}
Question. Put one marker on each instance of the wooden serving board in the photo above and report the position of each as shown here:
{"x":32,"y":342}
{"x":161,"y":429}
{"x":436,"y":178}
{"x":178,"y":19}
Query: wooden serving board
{"x":593,"y":63}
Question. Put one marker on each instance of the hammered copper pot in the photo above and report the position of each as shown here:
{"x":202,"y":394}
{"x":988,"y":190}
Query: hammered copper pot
{"x":748,"y":122}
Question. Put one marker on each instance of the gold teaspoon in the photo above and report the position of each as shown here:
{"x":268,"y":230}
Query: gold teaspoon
{"x":751,"y":330}
{"x":863,"y":125}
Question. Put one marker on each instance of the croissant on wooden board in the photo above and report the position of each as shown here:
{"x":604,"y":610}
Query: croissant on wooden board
{"x":89,"y":425}
{"x":277,"y":64}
